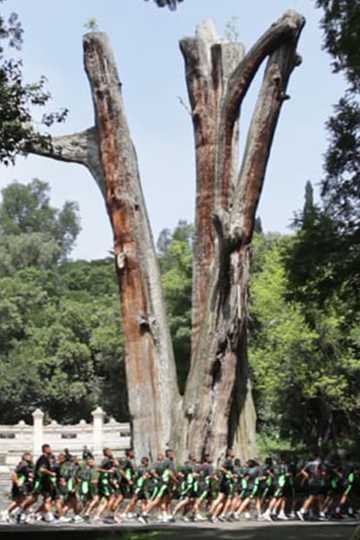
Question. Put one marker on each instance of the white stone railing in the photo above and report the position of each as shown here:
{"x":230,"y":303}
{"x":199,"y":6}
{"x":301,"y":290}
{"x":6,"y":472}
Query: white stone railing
{"x":16,"y":439}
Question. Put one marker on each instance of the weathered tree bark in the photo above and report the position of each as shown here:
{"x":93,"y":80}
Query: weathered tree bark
{"x":79,"y":148}
{"x":217,"y":409}
{"x":218,"y":403}
{"x":209,"y":62}
{"x":107,"y":150}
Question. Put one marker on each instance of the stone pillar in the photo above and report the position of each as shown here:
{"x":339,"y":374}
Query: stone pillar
{"x":38,"y":426}
{"x":98,"y":423}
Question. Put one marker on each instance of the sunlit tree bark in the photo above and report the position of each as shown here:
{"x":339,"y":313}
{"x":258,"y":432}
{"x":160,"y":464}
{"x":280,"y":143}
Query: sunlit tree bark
{"x":217,"y":409}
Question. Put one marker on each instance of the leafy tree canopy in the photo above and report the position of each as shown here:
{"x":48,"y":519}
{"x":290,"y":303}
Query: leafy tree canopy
{"x":303,"y":356}
{"x":341,"y":23}
{"x":175,"y":249}
{"x":61,"y":341}
{"x":172,"y":4}
{"x":341,"y":185}
{"x":17,"y":97}
{"x":32,"y":232}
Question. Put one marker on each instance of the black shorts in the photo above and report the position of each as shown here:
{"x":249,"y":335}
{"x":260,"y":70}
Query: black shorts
{"x":315,"y":489}
{"x":268,"y":492}
{"x":127,"y":490}
{"x":324,"y":490}
{"x":140,"y":494}
{"x":335,"y":490}
{"x":227,"y":489}
{"x":17,"y":492}
{"x":255,"y":491}
{"x":284,"y":491}
{"x":53,"y":495}
{"x":87,"y":497}
{"x":105,"y":491}
{"x":48,"y":490}
{"x":164,"y":490}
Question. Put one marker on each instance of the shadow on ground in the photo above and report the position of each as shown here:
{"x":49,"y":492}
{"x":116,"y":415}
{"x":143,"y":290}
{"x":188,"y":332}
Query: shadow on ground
{"x":270,"y":532}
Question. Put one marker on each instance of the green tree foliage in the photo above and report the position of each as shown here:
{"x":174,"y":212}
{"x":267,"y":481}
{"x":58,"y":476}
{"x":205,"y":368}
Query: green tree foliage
{"x":91,"y":25}
{"x":316,"y":254}
{"x":341,"y":185}
{"x":61,"y":342}
{"x":340,"y":23}
{"x":304,"y":332}
{"x":61,"y":346}
{"x":172,"y":4}
{"x":281,"y":345}
{"x":175,"y":252}
{"x":322,"y":266}
{"x":306,"y":374}
{"x":32,"y":232}
{"x":60,"y":334}
{"x":18,"y":98}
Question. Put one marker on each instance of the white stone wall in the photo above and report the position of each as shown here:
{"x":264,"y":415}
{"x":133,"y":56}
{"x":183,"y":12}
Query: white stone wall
{"x":17,"y":439}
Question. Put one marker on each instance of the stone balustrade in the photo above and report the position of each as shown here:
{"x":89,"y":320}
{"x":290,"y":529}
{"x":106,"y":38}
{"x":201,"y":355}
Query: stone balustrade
{"x":16,"y":439}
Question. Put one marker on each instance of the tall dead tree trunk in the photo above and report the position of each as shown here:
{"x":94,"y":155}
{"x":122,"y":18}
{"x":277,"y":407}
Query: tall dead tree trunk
{"x":218,"y":403}
{"x":217,"y":409}
{"x":208,"y":66}
{"x":108,"y":152}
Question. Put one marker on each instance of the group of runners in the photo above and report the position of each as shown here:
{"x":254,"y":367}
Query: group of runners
{"x":63,"y":488}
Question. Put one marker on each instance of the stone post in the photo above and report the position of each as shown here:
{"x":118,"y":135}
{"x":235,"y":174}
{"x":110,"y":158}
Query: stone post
{"x":38,"y":426}
{"x":98,"y":423}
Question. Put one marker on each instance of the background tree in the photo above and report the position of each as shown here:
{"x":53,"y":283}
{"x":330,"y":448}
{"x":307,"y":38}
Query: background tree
{"x":25,"y":211}
{"x":305,"y":335}
{"x":60,"y":345}
{"x":18,"y":98}
{"x":341,"y":184}
{"x":176,"y":269}
{"x":61,"y":348}
{"x":321,"y":261}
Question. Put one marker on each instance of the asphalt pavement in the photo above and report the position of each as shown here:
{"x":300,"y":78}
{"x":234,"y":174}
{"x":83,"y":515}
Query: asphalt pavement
{"x":229,"y":531}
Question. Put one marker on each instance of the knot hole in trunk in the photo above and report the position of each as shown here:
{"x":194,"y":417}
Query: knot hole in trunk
{"x":215,"y":372}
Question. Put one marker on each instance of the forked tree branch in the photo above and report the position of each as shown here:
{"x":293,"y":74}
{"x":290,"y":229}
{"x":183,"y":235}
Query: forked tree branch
{"x":288,"y":27}
{"x":259,"y":141}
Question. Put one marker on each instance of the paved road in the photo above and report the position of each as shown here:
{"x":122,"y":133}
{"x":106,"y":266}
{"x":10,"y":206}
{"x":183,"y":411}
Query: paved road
{"x":243,"y":531}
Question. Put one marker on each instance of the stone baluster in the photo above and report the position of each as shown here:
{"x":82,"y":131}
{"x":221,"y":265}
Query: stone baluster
{"x":98,"y":424}
{"x":38,"y":430}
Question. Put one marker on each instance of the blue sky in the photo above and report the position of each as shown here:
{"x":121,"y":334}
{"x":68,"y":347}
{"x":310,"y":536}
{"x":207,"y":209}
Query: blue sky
{"x":145,"y":41}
